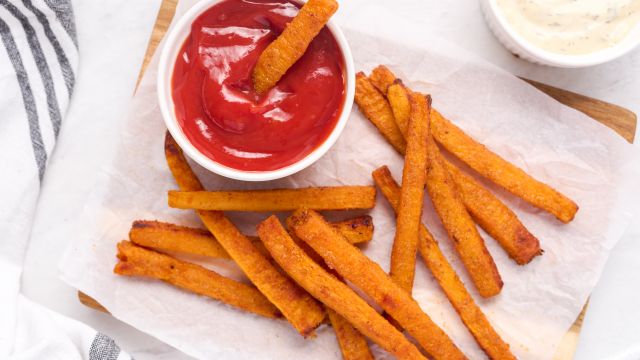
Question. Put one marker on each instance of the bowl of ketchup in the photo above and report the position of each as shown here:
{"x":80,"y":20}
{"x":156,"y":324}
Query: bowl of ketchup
{"x":211,"y":109}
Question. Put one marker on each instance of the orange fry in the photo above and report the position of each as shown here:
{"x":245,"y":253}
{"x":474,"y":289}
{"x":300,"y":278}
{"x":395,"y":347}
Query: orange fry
{"x":137,"y":261}
{"x":376,"y":108}
{"x":182,"y":239}
{"x":382,"y":78}
{"x":332,"y":292}
{"x":486,"y":209}
{"x":369,"y":277}
{"x":318,"y":198}
{"x":292,"y":43}
{"x":477,"y":156}
{"x":495,"y":218}
{"x":356,"y":230}
{"x":353,"y":345}
{"x":297,"y":306}
{"x":405,"y":244}
{"x":398,"y":97}
{"x":498,"y":170}
{"x":443,"y":272}
{"x":459,"y":225}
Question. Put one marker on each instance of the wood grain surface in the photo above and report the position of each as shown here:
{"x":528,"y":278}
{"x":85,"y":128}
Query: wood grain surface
{"x":621,"y":120}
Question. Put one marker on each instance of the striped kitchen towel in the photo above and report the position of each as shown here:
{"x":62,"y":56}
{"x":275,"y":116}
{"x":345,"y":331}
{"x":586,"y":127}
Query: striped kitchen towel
{"x":38,"y":63}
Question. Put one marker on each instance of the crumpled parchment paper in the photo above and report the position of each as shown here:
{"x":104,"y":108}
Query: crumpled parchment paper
{"x":558,"y":145}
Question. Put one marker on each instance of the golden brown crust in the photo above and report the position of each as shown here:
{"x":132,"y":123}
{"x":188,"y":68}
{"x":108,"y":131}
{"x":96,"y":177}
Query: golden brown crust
{"x":459,"y":225}
{"x":376,"y":108}
{"x":302,"y":311}
{"x":353,"y":345}
{"x":443,"y":272}
{"x":369,"y":277}
{"x":356,"y":230}
{"x":162,"y":236}
{"x":181,"y":239}
{"x":319,"y":198}
{"x":292,"y":43}
{"x":137,"y":261}
{"x":495,"y":218}
{"x":398,"y":97}
{"x":405,"y":244}
{"x":500,"y":171}
{"x":382,"y":78}
{"x":332,"y":292}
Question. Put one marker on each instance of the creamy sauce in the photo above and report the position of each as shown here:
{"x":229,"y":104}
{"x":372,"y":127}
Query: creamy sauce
{"x":572,"y":27}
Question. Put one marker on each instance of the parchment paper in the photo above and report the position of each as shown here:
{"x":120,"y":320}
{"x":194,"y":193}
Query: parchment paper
{"x":539,"y":302}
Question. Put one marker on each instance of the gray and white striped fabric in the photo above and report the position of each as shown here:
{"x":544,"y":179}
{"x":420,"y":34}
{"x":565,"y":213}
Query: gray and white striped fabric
{"x":38,"y":66}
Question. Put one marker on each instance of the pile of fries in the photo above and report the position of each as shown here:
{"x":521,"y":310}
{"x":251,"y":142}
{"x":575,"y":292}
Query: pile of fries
{"x":302,"y":271}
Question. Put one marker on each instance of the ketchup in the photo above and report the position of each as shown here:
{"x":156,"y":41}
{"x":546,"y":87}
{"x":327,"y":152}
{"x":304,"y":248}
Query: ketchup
{"x":223,"y":116}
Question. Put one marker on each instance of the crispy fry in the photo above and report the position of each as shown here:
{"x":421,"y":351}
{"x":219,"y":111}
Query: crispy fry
{"x":369,"y":277}
{"x":182,"y":239}
{"x":500,"y":171}
{"x":353,"y":345}
{"x":381,"y":77}
{"x":170,"y":237}
{"x":302,"y":311}
{"x":137,"y":261}
{"x":486,"y":209}
{"x":478,"y":157}
{"x":397,"y":94}
{"x":443,"y":272}
{"x":356,"y":230}
{"x":495,"y":218}
{"x":398,"y":97}
{"x":292,"y":43}
{"x":459,"y":225}
{"x":405,"y":244}
{"x":376,"y":108}
{"x":318,"y":198}
{"x":332,"y":292}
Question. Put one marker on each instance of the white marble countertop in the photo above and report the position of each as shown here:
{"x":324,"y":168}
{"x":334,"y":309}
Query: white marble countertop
{"x":105,"y":83}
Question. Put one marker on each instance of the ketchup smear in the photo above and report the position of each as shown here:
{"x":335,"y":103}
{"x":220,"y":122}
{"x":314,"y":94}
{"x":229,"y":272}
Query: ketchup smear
{"x":213,"y":94}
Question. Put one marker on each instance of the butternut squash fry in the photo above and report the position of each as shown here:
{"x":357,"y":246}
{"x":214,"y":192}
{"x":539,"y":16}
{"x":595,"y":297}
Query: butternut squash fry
{"x":297,"y":306}
{"x":331,"y":291}
{"x":369,"y":277}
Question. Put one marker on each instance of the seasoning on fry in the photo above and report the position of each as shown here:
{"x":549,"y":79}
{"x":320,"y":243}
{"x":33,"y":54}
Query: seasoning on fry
{"x":353,"y":345}
{"x":469,"y":312}
{"x":162,"y":236}
{"x":318,"y":198}
{"x":376,"y":108}
{"x":498,"y":170}
{"x":381,"y":77}
{"x":495,"y":218}
{"x":405,"y":244}
{"x":292,"y":43}
{"x":369,"y":277}
{"x":356,"y":230}
{"x":459,"y":225}
{"x":181,"y":239}
{"x":137,"y":261}
{"x":297,"y":306}
{"x":332,"y":292}
{"x":398,"y":97}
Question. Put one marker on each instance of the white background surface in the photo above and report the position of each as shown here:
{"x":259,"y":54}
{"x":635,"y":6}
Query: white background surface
{"x":113,"y":37}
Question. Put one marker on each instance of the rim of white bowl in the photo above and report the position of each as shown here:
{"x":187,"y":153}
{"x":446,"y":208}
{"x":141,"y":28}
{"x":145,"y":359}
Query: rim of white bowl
{"x":170,"y":50}
{"x":630,"y":42}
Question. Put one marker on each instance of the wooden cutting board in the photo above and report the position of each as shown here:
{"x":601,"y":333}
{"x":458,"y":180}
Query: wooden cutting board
{"x":621,"y":120}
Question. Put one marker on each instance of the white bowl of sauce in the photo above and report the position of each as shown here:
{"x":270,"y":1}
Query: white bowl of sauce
{"x":212,"y":111}
{"x":565,"y":33}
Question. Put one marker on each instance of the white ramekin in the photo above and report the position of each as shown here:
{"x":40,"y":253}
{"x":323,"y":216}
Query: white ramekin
{"x":518,"y":45}
{"x":173,"y":42}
